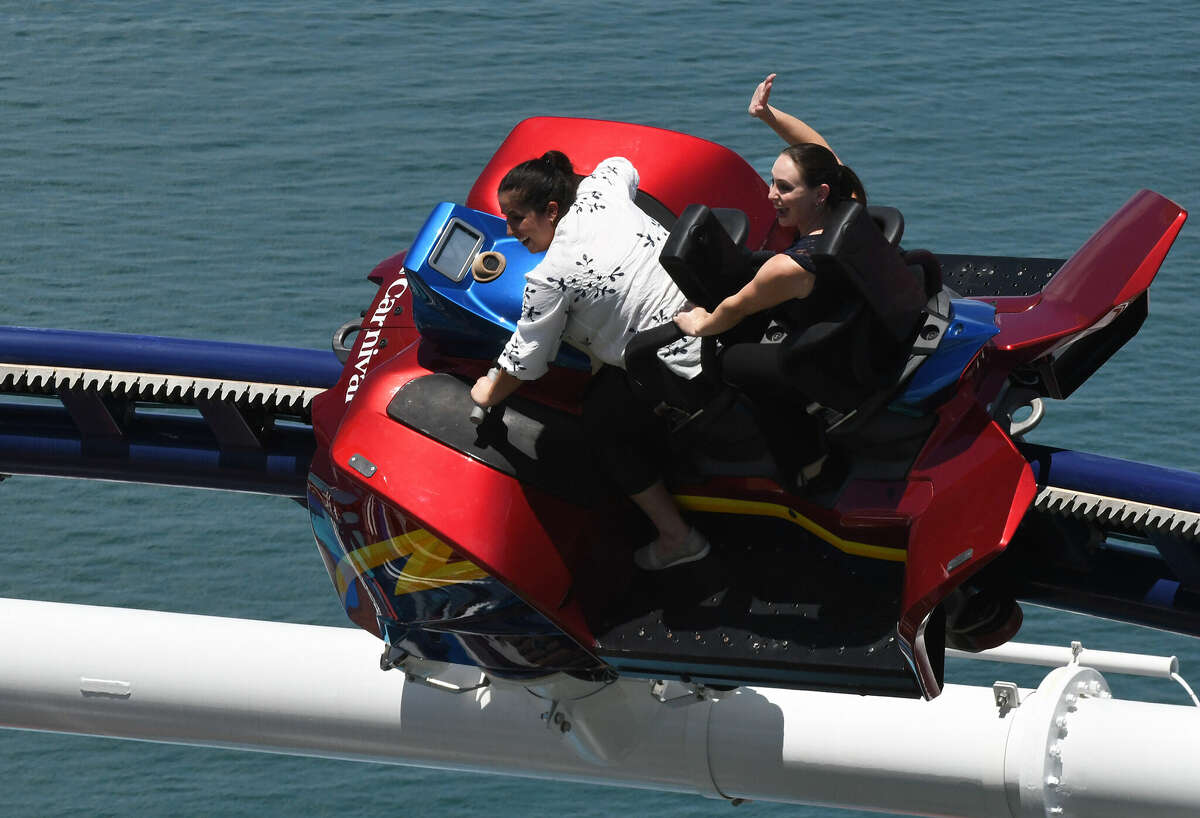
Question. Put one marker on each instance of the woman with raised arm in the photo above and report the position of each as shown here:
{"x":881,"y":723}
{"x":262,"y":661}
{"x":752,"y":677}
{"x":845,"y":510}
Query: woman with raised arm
{"x":807,"y":183}
{"x":599,"y":283}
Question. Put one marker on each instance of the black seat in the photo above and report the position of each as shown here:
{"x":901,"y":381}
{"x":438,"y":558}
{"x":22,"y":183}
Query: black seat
{"x":860,"y":344}
{"x":703,"y":259}
{"x":709,"y":263}
{"x":890,"y":222}
{"x":840,"y":355}
{"x":841,"y":360}
{"x":705,"y":255}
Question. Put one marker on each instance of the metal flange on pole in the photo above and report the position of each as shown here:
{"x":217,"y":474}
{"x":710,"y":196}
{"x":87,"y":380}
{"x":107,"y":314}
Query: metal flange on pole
{"x":1043,"y":730}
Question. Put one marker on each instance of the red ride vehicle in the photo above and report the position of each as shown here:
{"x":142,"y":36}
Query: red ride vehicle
{"x":501,"y":545}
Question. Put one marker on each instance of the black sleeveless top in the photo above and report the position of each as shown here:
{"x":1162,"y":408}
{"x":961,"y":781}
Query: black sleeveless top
{"x":798,"y":313}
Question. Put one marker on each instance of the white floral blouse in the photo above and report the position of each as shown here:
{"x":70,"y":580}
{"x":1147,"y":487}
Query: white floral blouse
{"x":599,"y":283}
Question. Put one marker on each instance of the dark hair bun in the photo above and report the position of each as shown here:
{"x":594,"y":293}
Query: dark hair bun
{"x":537,"y":182}
{"x":559,"y":161}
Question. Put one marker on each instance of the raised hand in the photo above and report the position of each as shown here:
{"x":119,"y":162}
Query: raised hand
{"x":758,"y":101}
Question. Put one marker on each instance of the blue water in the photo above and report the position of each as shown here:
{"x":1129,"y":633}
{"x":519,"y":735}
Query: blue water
{"x":233,"y":171}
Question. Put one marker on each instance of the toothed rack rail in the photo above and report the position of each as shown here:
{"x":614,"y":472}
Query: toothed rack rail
{"x":159,"y":410}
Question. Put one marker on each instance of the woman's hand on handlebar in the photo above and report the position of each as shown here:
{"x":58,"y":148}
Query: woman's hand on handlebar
{"x":481,"y":392}
{"x":693,"y":320}
{"x":492,"y":389}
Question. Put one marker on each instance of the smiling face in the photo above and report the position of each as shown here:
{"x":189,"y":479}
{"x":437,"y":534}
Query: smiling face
{"x":533,"y":228}
{"x":795,"y":205}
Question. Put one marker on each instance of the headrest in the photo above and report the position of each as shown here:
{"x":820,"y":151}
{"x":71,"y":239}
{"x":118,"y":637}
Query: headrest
{"x":853,"y":246}
{"x":735,"y":222}
{"x":890,"y":221}
{"x":702,"y":259}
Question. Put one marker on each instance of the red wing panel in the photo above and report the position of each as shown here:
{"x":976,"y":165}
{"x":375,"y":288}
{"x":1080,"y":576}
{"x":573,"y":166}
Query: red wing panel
{"x":1114,"y":266}
{"x":675,"y":168}
{"x":981,"y":488}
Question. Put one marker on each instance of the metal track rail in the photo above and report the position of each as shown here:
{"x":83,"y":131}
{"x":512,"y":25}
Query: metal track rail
{"x":1110,"y":538}
{"x":280,"y":399}
{"x":1117,"y":515}
{"x":1119,"y":496}
{"x":122,"y":409}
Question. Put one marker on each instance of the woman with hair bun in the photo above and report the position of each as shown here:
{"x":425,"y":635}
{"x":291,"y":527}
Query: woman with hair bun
{"x":599,"y":283}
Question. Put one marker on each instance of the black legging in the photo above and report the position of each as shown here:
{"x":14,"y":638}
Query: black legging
{"x":629,"y":438}
{"x":793,"y":435}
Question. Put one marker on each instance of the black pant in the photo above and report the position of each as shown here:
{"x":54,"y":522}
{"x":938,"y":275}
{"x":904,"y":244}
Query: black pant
{"x":630,"y":439}
{"x":794,"y":437}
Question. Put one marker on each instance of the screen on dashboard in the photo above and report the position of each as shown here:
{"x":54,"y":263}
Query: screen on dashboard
{"x":452,"y":256}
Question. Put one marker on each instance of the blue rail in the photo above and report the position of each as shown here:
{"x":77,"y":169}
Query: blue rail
{"x":214,"y":446}
{"x":159,"y":449}
{"x":1113,"y":477}
{"x":168,"y":356}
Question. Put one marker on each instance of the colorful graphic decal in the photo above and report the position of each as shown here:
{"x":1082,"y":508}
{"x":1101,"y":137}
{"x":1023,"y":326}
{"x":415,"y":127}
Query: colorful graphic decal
{"x":421,"y":559}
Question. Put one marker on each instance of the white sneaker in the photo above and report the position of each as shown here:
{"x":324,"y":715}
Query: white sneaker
{"x":695,"y":548}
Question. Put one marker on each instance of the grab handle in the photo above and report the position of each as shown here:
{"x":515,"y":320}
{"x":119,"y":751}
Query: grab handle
{"x":480,"y":413}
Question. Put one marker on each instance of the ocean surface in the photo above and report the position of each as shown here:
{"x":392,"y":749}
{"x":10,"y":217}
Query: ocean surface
{"x":233,"y":171}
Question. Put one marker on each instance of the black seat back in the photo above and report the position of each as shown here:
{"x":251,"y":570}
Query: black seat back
{"x":854,"y":251}
{"x":890,"y":222}
{"x":702,"y":258}
{"x":705,"y":255}
{"x":855,"y":348}
{"x":735,"y":222}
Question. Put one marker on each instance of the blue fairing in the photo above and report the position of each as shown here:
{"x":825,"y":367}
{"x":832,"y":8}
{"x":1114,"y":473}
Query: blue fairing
{"x":467,"y":317}
{"x":972,"y":323}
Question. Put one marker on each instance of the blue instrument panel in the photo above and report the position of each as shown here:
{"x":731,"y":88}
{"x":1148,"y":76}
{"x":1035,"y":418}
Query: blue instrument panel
{"x":471,"y":318}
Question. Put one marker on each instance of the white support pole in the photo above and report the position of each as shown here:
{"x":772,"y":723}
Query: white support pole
{"x":1066,"y":748}
{"x":1105,"y":661}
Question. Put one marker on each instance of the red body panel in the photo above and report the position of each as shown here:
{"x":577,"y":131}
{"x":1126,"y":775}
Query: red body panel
{"x":979,"y":487}
{"x":462,"y":501}
{"x":675,"y":168}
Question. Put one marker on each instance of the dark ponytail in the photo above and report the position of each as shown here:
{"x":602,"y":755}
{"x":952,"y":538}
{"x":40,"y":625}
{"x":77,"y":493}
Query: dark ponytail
{"x":852,"y":186}
{"x":538,"y":182}
{"x":818,"y":166}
